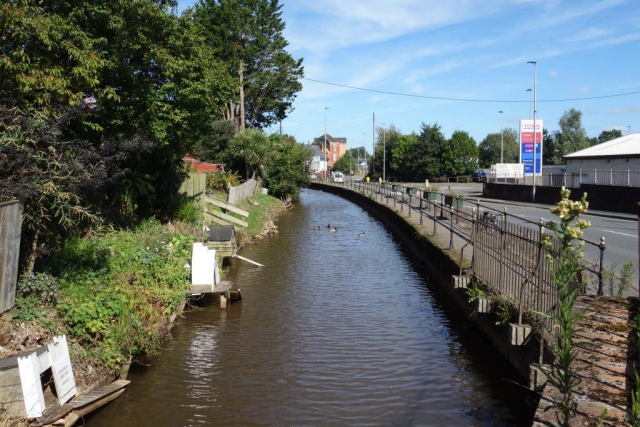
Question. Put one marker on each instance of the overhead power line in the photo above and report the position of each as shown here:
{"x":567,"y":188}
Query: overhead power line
{"x":444,"y":98}
{"x":329,"y":121}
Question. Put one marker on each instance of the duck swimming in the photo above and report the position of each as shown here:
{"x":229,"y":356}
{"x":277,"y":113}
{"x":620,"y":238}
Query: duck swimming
{"x":333,"y":229}
{"x":328,"y":225}
{"x":362,"y":234}
{"x":317,"y":227}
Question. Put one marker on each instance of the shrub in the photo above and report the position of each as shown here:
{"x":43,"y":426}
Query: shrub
{"x":186,"y":210}
{"x":220,"y":181}
{"x":40,"y":285}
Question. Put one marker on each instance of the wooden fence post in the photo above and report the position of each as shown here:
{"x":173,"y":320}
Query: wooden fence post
{"x":10,"y":232}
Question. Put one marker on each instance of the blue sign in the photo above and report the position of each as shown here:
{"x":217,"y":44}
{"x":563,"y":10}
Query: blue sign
{"x":527,"y":144}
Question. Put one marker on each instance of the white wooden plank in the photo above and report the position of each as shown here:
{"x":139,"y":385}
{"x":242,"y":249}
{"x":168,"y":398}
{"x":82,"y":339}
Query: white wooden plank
{"x":31,"y":386}
{"x":62,"y":370}
{"x":202,"y":265}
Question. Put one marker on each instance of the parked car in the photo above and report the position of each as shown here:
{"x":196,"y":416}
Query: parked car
{"x":338,"y":177}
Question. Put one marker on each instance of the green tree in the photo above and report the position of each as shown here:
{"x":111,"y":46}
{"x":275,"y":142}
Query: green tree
{"x":346,"y":163}
{"x":429,"y":153}
{"x":254,"y":149}
{"x":288,"y":170}
{"x":212,"y":146}
{"x":572,"y":135}
{"x":608,"y":135}
{"x":248,"y":34}
{"x":387,"y":139}
{"x":489,"y":148}
{"x":552,"y":150}
{"x":403,"y":147}
{"x":460,"y":155}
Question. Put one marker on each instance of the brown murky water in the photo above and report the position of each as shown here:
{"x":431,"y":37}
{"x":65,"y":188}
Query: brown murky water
{"x":336,"y":330}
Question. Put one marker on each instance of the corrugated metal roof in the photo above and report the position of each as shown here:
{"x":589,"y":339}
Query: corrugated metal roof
{"x":628,"y":145}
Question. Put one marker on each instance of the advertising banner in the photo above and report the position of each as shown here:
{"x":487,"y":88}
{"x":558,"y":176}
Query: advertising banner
{"x":527,"y":146}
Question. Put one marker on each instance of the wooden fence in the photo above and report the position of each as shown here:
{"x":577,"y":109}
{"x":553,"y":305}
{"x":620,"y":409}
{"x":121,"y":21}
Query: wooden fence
{"x":10,"y":232}
{"x":194,"y":186}
{"x":239,"y":193}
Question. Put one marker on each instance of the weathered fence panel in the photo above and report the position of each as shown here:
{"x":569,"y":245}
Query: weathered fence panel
{"x":194,"y":185}
{"x":239,"y":193}
{"x":10,"y":232}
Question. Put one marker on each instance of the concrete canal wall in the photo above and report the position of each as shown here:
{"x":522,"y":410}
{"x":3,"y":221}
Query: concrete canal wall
{"x":442,"y":263}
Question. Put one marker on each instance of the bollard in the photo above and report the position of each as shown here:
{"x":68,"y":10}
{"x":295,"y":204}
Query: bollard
{"x":603,"y":246}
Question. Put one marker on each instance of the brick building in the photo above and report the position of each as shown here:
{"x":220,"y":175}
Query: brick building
{"x":335,"y":148}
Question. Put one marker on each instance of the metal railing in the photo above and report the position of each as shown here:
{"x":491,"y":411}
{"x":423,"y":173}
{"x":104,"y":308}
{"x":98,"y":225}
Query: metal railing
{"x":618,"y":178}
{"x":508,"y":254}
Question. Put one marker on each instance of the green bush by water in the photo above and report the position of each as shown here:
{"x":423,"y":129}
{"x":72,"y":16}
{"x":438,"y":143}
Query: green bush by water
{"x":117,"y":290}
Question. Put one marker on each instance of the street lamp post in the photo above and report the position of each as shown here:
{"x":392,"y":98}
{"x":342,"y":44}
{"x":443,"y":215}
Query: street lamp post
{"x":501,"y":138}
{"x":324,"y":147}
{"x":535,"y":133}
{"x":529,"y":90}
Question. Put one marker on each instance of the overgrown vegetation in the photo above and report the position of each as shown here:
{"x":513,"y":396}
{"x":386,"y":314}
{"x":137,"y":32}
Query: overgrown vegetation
{"x":635,"y":390}
{"x":100,"y":102}
{"x":565,"y":268}
{"x":116,"y":290}
{"x":618,"y":284}
{"x":474,"y":290}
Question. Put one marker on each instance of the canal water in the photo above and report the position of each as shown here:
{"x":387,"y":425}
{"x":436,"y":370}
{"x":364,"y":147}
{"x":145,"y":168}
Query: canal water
{"x":336,"y":330}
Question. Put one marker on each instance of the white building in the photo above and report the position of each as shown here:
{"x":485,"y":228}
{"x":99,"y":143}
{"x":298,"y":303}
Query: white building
{"x":318,"y":160}
{"x":615,"y":162}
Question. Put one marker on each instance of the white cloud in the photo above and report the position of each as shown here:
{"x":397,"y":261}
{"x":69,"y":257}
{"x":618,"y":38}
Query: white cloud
{"x":553,"y":74}
{"x":588,"y":34}
{"x":585,"y":90}
{"x":627,"y":110}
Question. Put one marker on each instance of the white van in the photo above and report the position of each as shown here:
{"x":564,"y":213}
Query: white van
{"x":338,"y":177}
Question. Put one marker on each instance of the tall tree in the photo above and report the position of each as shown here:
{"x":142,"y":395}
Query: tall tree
{"x":608,"y":135}
{"x":248,"y":34}
{"x":387,"y":139}
{"x":402,"y":150}
{"x":429,"y":152}
{"x":573,"y":137}
{"x":552,"y":151}
{"x":489,"y":148}
{"x":460,"y":155}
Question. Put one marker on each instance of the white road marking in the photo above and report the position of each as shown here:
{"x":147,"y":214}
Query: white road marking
{"x":623,"y":234}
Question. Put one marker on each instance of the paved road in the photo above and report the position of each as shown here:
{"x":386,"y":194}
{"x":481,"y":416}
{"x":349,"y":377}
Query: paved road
{"x":620,"y":233}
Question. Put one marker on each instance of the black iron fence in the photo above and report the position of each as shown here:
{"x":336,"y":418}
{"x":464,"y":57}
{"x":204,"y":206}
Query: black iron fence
{"x":508,"y":254}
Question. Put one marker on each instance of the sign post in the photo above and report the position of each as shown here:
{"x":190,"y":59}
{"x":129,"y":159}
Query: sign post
{"x":527,"y":151}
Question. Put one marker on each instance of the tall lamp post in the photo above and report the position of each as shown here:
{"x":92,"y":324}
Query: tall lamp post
{"x":501,"y":138}
{"x":384,"y":153}
{"x":324,"y":147}
{"x":529,"y":90}
{"x":535,"y":131}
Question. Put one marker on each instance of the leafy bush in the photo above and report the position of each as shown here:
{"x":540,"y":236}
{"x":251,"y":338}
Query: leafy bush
{"x":41,"y":285}
{"x":118,"y":290}
{"x":220,"y":181}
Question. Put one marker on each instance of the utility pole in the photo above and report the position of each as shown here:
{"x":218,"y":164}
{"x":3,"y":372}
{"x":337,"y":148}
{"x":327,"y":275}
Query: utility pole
{"x":280,"y":127}
{"x":373,"y":144}
{"x":535,"y":133}
{"x":628,"y":130}
{"x":501,"y":139}
{"x":384,"y":154}
{"x":529,"y":90}
{"x":364,"y":146}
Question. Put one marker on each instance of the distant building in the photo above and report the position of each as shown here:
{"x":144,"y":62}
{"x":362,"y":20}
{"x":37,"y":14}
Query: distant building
{"x":199,"y":166}
{"x":619,"y":154}
{"x":335,"y":148}
{"x":318,"y":159}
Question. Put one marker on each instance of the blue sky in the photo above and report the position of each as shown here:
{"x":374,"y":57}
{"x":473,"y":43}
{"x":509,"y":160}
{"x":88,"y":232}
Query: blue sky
{"x":465,"y":49}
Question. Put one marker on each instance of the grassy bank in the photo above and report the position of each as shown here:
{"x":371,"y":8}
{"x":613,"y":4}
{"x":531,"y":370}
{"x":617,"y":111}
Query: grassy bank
{"x":111,"y":293}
